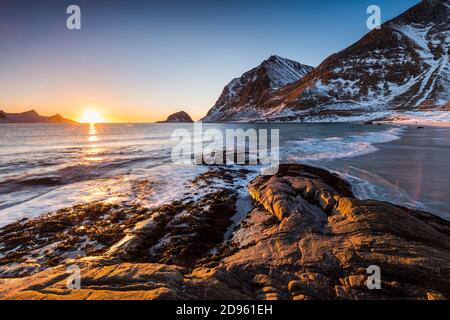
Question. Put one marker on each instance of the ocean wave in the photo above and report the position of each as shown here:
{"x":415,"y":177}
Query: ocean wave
{"x":314,"y":149}
{"x":30,"y":191}
{"x":368,"y":185}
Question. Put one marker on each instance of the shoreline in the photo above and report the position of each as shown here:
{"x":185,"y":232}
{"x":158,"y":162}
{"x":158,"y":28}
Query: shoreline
{"x":443,"y":124}
{"x":387,"y":122}
{"x":422,"y":184}
{"x":363,"y":150}
{"x":292,"y":245}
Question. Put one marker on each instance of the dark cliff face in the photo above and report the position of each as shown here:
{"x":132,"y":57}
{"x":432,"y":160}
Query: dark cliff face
{"x":179,"y":117}
{"x":242,"y":95}
{"x":31,"y":117}
{"x":402,"y":66}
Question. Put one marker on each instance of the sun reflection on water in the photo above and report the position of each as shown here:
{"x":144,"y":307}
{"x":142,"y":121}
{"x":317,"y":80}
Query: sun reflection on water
{"x":91,"y":154}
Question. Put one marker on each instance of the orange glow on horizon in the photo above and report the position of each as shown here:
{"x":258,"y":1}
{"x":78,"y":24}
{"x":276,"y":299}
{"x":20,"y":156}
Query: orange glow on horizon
{"x":91,"y":115}
{"x":113,"y":113}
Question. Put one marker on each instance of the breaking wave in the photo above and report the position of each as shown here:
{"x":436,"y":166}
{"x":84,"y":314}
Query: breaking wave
{"x":314,"y":149}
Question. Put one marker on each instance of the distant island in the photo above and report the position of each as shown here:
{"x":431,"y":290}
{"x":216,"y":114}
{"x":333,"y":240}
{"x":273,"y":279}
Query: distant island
{"x":32,"y":117}
{"x":179,"y":117}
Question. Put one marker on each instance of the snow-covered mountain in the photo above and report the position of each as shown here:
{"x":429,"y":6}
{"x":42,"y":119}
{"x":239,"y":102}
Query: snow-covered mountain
{"x":242,"y":95}
{"x":404,"y":66}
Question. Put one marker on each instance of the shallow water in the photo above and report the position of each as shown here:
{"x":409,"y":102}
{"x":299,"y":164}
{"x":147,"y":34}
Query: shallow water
{"x":47,"y":167}
{"x":413,"y":171}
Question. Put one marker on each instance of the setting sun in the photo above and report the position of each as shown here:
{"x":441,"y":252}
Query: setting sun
{"x":91,"y":116}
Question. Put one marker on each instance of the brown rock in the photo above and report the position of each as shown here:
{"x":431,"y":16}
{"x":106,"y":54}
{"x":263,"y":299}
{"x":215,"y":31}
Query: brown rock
{"x":288,"y":247}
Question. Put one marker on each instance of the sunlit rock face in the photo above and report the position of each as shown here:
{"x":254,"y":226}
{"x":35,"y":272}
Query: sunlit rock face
{"x":403,"y":66}
{"x":306,"y":237}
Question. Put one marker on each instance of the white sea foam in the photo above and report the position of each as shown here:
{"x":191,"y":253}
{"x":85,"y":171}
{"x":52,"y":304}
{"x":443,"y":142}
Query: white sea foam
{"x":166,"y":185}
{"x":155,"y":181}
{"x":368,"y":185}
{"x":312,"y":149}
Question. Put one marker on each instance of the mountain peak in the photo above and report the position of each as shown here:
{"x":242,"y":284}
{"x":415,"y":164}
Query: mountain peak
{"x":282,"y":71}
{"x":31,"y":112}
{"x":57,"y":117}
{"x":402,"y":66}
{"x":275,"y":58}
{"x":254,"y":86}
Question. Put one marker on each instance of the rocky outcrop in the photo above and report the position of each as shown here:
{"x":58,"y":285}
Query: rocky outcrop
{"x":181,"y":232}
{"x":332,"y":238}
{"x":31,"y":117}
{"x":179,"y":117}
{"x":306,"y":237}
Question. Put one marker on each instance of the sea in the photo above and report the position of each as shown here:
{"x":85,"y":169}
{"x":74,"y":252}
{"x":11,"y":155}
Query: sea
{"x":46,"y":167}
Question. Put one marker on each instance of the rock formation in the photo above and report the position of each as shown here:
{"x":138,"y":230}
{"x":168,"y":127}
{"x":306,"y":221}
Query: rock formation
{"x":179,"y":117}
{"x":306,"y":237}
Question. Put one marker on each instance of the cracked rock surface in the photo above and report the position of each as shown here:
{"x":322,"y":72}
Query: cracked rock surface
{"x":306,"y":237}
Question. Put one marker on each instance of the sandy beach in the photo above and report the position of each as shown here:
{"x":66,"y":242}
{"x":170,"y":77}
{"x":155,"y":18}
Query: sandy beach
{"x":411,"y":171}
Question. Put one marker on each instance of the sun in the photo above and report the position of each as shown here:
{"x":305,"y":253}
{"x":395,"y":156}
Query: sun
{"x":91,"y":116}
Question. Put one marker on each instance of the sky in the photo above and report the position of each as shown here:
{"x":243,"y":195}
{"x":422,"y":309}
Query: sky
{"x":139,"y":61}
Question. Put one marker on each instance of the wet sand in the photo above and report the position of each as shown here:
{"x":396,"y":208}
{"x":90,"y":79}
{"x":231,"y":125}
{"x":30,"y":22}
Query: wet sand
{"x":413,"y":171}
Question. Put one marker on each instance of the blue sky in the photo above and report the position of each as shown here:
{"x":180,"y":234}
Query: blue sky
{"x":141,"y":60}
